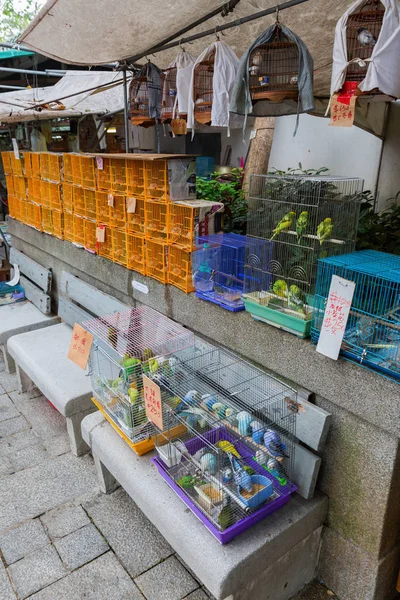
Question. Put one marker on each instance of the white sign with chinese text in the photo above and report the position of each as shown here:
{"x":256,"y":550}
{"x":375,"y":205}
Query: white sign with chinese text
{"x":335,"y":318}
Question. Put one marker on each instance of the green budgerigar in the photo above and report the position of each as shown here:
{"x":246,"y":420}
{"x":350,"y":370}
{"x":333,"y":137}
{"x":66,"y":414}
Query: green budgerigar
{"x":301,"y":224}
{"x":225,"y":517}
{"x":284,"y":224}
{"x":280,"y":288}
{"x":296,"y":298}
{"x":324,"y":230}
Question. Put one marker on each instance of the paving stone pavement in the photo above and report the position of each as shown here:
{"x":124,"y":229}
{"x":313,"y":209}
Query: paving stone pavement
{"x":60,"y":537}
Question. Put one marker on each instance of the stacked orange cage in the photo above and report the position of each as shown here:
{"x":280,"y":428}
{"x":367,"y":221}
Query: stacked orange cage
{"x":124,"y":200}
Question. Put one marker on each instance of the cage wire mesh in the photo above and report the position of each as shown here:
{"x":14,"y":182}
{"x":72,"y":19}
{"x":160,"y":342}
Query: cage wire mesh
{"x":126,"y":345}
{"x":372,"y":335}
{"x":362,"y":31}
{"x":305,"y":218}
{"x":274,"y":69}
{"x":237,"y":449}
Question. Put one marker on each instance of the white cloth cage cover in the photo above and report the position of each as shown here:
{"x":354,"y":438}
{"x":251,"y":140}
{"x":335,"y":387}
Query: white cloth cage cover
{"x":383,"y":69}
{"x":225,"y":69}
{"x":183,"y":64}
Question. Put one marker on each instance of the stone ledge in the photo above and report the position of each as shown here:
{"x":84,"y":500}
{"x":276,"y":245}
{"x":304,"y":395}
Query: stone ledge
{"x":261,"y":546}
{"x":355,"y":389}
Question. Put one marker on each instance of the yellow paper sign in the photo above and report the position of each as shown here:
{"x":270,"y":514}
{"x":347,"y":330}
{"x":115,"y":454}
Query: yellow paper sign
{"x":153,"y":402}
{"x":79,"y":348}
{"x":342,"y":110}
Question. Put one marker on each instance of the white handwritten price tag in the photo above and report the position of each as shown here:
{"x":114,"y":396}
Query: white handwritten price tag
{"x":336,"y":315}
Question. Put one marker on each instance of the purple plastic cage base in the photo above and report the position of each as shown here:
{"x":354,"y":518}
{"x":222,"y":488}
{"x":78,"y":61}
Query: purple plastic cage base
{"x":212,"y":297}
{"x":241,"y":526}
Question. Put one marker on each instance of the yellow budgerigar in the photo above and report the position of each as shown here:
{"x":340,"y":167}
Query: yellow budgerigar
{"x":228,"y":447}
{"x":284,"y":224}
{"x":324,"y":230}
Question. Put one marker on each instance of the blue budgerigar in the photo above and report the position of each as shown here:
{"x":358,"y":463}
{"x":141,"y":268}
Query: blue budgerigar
{"x":208,"y":400}
{"x":274,"y":445}
{"x":190,"y":399}
{"x":242,"y":479}
{"x":194,"y":416}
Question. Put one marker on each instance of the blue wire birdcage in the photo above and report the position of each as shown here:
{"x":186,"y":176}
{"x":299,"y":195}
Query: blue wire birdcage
{"x":372,"y":336}
{"x":218,"y":269}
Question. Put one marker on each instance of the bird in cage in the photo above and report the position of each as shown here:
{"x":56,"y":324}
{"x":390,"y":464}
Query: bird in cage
{"x":194,"y":416}
{"x":208,"y":400}
{"x":301,"y":224}
{"x":365,"y":37}
{"x":296,"y":299}
{"x":261,"y":457}
{"x":219,"y":409}
{"x":244,"y":419}
{"x":208,"y":463}
{"x":190,"y":399}
{"x":225,"y":517}
{"x":228,"y":447}
{"x":324,"y":230}
{"x":276,"y":469}
{"x":241,"y":478}
{"x":257,"y":432}
{"x":280,"y":288}
{"x":274,"y":445}
{"x":227,"y":475}
{"x":284,"y":224}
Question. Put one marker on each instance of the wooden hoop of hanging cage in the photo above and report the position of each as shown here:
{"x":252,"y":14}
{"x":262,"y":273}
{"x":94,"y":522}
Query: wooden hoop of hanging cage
{"x":203,"y":89}
{"x":169,"y":94}
{"x":363,"y":25}
{"x":139,"y":100}
{"x":274,"y":69}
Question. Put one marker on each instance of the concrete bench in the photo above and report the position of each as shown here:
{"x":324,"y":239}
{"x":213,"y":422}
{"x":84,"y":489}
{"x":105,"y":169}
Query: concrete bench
{"x":271,"y":561}
{"x":41,"y":356}
{"x":30,"y":314}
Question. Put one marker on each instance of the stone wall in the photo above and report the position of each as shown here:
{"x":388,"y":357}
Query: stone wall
{"x":360,"y":554}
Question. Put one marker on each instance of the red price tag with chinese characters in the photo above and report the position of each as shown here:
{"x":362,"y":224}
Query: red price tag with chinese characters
{"x":337,"y":312}
{"x":79,"y":348}
{"x":153,"y":402}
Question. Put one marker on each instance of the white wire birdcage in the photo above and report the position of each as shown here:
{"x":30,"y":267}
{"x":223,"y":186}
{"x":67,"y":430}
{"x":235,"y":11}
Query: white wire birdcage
{"x":127,"y":345}
{"x":234,"y":414}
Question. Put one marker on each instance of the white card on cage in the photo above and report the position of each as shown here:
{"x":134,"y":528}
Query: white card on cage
{"x":337,"y":312}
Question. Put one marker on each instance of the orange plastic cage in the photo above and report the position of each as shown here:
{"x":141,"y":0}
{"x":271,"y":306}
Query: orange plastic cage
{"x":90,"y":235}
{"x":79,"y":233}
{"x":156,"y":261}
{"x":90,"y":204}
{"x":135,"y":178}
{"x":136,"y":220}
{"x":68,"y":227}
{"x":135,"y":248}
{"x":58,"y":223}
{"x":17,"y":165}
{"x":13,"y":206}
{"x":47,"y":222}
{"x":181,"y":225}
{"x":106,"y":247}
{"x":119,"y":246}
{"x":156,"y":216}
{"x":118,"y":211}
{"x":180,"y":269}
{"x":9,"y":183}
{"x":113,"y":176}
{"x":51,"y":166}
{"x":79,"y":201}
{"x":22,"y":210}
{"x":103,"y":214}
{"x":34,"y":215}
{"x":50,"y":194}
{"x":156,"y":180}
{"x":68,"y":197}
{"x":6,"y":159}
{"x":34,"y":191}
{"x":20,"y":185}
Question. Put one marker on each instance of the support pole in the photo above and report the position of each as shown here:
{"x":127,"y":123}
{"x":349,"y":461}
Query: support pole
{"x":126,"y":112}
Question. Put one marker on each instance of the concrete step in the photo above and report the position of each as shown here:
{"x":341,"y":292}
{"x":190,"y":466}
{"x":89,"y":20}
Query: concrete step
{"x":271,"y":561}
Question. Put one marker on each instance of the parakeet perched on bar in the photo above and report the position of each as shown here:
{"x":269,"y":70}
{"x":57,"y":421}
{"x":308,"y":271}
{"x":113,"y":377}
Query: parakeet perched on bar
{"x":280,"y":288}
{"x":190,"y":399}
{"x":274,"y":445}
{"x":284,"y":224}
{"x":365,"y":37}
{"x":228,"y":447}
{"x":242,"y":479}
{"x":296,"y":299}
{"x":324,"y":230}
{"x":301,"y":224}
{"x":225,"y":516}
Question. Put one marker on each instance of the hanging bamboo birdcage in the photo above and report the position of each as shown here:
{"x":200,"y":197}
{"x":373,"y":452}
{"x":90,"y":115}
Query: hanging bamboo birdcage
{"x":203,"y":89}
{"x":362,"y":32}
{"x":175,"y":82}
{"x":140,"y":105}
{"x":274,"y":69}
{"x":169,"y":95}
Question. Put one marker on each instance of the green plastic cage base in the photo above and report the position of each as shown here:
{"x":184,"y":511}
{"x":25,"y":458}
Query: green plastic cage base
{"x":281,"y":320}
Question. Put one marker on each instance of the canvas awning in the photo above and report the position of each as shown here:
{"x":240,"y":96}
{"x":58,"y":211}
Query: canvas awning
{"x":95,"y":32}
{"x":20,"y":105}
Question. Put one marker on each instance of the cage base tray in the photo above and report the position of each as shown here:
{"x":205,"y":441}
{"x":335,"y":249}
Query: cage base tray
{"x":228,"y":534}
{"x":215,"y":299}
{"x":144,"y":446}
{"x":275,"y":96}
{"x":280,"y":320}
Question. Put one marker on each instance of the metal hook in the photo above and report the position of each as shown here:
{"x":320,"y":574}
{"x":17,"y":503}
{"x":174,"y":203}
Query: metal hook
{"x":277,"y":14}
{"x":216,"y":34}
{"x":181,"y":47}
{"x":147,"y":58}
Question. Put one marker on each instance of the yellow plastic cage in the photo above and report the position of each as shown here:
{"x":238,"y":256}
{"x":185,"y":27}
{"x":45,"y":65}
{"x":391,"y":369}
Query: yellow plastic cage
{"x":90,"y":235}
{"x":79,"y":232}
{"x":119,"y":246}
{"x":9,"y":183}
{"x":47,"y":221}
{"x":181,"y":225}
{"x":136,"y":220}
{"x":34,"y":215}
{"x":22,"y":210}
{"x":112,"y":177}
{"x":156,"y":180}
{"x":90,"y":203}
{"x":20,"y":186}
{"x":68,"y":197}
{"x":156,"y":261}
{"x":28,"y":164}
{"x":51,"y":166}
{"x":34,"y":190}
{"x":103,"y":214}
{"x":135,"y":247}
{"x":180,"y":269}
{"x":118,"y":211}
{"x":17,"y":165}
{"x":58,"y":223}
{"x":13,"y":206}
{"x":7,"y":165}
{"x":156,"y":216}
{"x":135,"y":178}
{"x":51,"y":194}
{"x":106,"y":247}
{"x":79,"y":201}
{"x":68,"y":226}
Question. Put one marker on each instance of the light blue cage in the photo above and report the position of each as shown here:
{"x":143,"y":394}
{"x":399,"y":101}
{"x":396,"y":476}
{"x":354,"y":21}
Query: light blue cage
{"x":372,"y":336}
